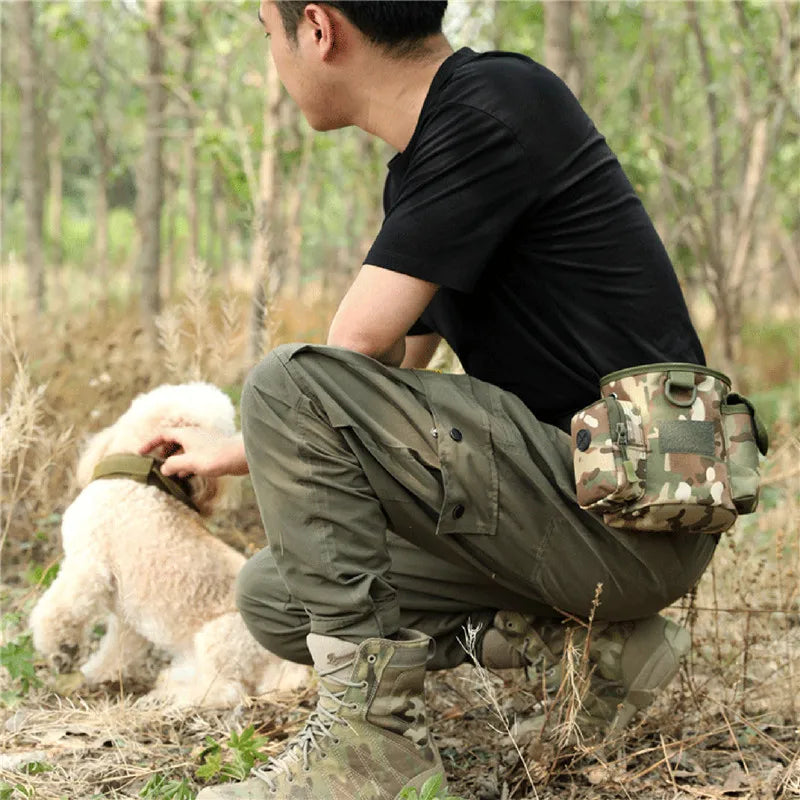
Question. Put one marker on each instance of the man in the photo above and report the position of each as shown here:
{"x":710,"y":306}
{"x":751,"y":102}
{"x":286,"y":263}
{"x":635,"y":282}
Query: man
{"x":400,"y":504}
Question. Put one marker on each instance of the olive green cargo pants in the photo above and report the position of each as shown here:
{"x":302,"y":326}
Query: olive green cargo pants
{"x":406,"y":498}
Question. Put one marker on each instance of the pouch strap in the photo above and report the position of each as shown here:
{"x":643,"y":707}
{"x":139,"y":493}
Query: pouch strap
{"x":759,"y":430}
{"x":143,"y":469}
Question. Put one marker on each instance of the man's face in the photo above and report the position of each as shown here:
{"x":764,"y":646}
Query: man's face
{"x":299,"y":67}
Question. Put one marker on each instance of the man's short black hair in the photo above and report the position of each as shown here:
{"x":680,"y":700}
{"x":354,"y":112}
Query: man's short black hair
{"x":397,"y":25}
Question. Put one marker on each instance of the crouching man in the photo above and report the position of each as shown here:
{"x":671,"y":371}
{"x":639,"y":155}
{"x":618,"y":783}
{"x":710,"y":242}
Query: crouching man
{"x":399,"y":504}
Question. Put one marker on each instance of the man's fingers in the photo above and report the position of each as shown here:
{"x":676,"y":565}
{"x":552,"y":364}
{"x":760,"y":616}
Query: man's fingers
{"x":180,"y":465}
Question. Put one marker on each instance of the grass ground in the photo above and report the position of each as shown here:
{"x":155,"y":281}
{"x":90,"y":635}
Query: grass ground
{"x":727,"y":728}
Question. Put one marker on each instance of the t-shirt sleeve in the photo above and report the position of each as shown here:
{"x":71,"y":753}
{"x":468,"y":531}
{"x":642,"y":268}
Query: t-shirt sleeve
{"x":420,"y":328}
{"x":465,"y":187}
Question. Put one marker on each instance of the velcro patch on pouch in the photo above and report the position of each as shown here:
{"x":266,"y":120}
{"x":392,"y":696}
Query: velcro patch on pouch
{"x":686,"y":436}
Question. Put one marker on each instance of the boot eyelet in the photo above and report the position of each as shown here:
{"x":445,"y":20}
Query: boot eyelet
{"x":372,"y":658}
{"x":364,"y":684}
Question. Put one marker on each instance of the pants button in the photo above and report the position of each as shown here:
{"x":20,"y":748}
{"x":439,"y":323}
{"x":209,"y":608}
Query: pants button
{"x":456,"y":435}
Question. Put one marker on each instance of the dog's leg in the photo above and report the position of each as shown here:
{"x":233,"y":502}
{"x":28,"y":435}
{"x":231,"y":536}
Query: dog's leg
{"x":59,"y":620}
{"x":121,"y":655}
{"x":211,"y":675}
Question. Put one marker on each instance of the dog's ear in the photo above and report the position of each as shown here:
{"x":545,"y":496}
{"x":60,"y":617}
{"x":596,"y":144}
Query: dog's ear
{"x":93,"y":452}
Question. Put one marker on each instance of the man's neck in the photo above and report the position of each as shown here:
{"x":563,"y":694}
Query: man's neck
{"x":393,"y":91}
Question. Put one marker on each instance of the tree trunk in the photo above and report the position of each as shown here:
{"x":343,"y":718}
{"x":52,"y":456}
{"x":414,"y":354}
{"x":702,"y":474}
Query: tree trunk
{"x":151,"y":173}
{"x":265,"y":212}
{"x":56,"y":194}
{"x":294,"y":206}
{"x":31,"y":156}
{"x":211,"y":219}
{"x":218,"y":209}
{"x":168,"y":278}
{"x":559,"y":46}
{"x":190,"y":154}
{"x":101,"y":136}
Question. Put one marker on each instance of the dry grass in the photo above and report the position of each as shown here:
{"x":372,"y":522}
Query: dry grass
{"x":727,"y":728}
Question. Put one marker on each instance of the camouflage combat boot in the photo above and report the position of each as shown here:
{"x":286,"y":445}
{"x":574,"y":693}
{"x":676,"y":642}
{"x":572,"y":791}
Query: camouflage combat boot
{"x":630,"y":662}
{"x":368,"y":737}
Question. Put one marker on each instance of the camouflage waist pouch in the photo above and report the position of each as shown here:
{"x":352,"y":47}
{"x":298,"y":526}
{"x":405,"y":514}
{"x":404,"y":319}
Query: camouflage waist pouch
{"x":669,"y":447}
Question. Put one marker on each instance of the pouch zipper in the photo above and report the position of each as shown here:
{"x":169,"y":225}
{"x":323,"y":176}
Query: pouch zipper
{"x":619,"y":427}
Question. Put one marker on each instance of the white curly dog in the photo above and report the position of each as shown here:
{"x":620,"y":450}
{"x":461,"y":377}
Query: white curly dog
{"x":146,"y":560}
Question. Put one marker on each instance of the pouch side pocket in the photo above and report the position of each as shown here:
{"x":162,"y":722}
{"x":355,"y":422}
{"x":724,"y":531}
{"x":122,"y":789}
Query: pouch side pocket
{"x":742,"y":455}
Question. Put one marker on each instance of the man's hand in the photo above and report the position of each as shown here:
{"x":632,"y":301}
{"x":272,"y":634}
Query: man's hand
{"x":198,"y":452}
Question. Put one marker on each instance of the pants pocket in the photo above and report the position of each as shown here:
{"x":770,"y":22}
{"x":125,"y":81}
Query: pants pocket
{"x":466,"y":456}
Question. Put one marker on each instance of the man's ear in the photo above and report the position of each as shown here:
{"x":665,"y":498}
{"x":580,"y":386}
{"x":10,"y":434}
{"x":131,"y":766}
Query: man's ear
{"x":322,"y":24}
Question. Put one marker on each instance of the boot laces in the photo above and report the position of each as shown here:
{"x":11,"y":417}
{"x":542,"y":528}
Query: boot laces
{"x":316,"y":730}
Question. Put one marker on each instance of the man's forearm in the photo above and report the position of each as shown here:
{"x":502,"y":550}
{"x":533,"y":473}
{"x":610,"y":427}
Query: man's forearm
{"x":420,"y":350}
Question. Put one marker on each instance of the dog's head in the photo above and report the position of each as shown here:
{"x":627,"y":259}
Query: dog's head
{"x":198,"y":405}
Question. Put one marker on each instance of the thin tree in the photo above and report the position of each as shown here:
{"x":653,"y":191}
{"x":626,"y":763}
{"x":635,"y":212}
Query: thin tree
{"x":101,"y":140}
{"x":265,"y":205}
{"x":31,"y":156}
{"x":560,"y":54}
{"x":150,"y":189}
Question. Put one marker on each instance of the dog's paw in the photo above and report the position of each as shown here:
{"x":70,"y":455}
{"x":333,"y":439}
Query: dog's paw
{"x":157,"y":698}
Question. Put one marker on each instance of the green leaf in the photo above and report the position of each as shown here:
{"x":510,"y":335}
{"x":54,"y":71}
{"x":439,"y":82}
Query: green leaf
{"x":9,"y":698}
{"x":159,"y":788}
{"x":37,"y":575}
{"x":37,"y":767}
{"x":212,"y":766}
{"x":17,"y":657}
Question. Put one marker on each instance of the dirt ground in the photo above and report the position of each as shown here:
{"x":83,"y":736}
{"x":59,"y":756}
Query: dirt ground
{"x":727,"y":728}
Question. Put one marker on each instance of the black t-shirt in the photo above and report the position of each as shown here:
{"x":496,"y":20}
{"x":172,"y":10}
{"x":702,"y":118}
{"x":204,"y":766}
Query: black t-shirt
{"x":551,"y":271}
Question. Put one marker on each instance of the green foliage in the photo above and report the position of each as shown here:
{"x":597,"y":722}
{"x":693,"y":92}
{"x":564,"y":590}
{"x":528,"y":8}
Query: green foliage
{"x":7,"y":791}
{"x":161,"y":788}
{"x":778,"y":404}
{"x":17,"y":657}
{"x":232,"y":760}
{"x":430,"y":791}
{"x":37,"y":767}
{"x":40,"y":576}
{"x":76,"y":235}
{"x":121,"y":234}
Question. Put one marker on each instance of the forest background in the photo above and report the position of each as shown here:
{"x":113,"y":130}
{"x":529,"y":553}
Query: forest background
{"x":166,"y":214}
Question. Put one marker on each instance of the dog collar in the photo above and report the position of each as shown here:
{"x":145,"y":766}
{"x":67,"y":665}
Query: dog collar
{"x":144,"y":469}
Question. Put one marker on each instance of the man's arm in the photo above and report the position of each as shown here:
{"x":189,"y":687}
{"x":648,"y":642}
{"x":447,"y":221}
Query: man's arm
{"x":420,"y":350}
{"x":377,"y":312}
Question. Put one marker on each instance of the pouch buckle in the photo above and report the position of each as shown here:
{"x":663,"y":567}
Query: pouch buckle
{"x":680,"y":380}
